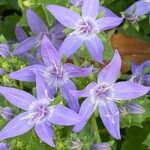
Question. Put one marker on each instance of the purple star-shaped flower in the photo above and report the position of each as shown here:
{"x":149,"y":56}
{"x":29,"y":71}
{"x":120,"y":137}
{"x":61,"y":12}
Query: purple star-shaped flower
{"x":55,"y":74}
{"x":104,"y":94}
{"x":86,"y":28}
{"x":137,"y":73}
{"x":135,"y":10}
{"x":38,"y":113}
{"x":39,"y":28}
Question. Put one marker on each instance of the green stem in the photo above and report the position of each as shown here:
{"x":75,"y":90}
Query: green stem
{"x":96,"y":131}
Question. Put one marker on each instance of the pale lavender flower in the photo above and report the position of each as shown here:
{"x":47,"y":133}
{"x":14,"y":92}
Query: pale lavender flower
{"x":2,"y":71}
{"x":105,"y":93}
{"x":131,"y":108}
{"x":39,"y":28}
{"x":86,"y":28}
{"x":55,"y":74}
{"x":136,"y":10}
{"x":37,"y":113}
{"x":3,"y":146}
{"x":137,"y":73}
{"x":5,"y":50}
{"x":6,"y":113}
{"x":20,"y":33}
{"x":102,"y":146}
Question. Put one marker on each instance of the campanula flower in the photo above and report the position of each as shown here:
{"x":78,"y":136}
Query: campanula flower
{"x":85,"y":28}
{"x":55,"y":74}
{"x":3,"y":146}
{"x":6,"y":113}
{"x":131,"y":108}
{"x":105,"y":93}
{"x":102,"y":146}
{"x":37,"y":113}
{"x":137,"y":73}
{"x":136,"y":10}
{"x":39,"y":28}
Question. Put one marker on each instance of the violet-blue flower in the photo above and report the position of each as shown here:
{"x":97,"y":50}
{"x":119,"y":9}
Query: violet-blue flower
{"x":37,"y":113}
{"x":6,"y":113}
{"x":136,"y":10}
{"x":85,"y":28}
{"x":3,"y":146}
{"x":39,"y":28}
{"x":105,"y":93}
{"x":55,"y":74}
{"x":102,"y":146}
{"x":137,"y":73}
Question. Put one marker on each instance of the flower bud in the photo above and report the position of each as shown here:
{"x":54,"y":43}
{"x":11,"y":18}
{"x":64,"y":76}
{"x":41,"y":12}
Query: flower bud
{"x":102,"y":146}
{"x":6,"y":113}
{"x":3,"y":146}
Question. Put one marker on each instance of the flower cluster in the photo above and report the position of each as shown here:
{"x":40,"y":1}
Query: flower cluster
{"x":53,"y":76}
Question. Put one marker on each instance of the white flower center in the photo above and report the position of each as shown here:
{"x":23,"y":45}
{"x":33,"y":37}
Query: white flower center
{"x":87,"y":27}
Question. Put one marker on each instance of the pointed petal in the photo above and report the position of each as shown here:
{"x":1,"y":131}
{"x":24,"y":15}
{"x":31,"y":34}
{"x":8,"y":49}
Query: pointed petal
{"x":75,"y":71}
{"x":85,"y":92}
{"x":64,"y":15}
{"x":95,"y":48}
{"x":90,"y":8}
{"x":134,"y":68}
{"x":127,"y":90}
{"x":57,"y":30}
{"x":26,"y":74}
{"x":20,"y":34}
{"x":110,"y":116}
{"x":70,"y":45}
{"x":110,"y":73}
{"x":19,"y":98}
{"x":146,"y":79}
{"x":107,"y":12}
{"x":45,"y":132}
{"x":71,"y":100}
{"x":49,"y":53}
{"x":4,"y":50}
{"x":36,"y":24}
{"x":3,"y":146}
{"x":86,"y":111}
{"x":15,"y":127}
{"x":107,"y":23}
{"x":142,"y":8}
{"x":2,"y":71}
{"x":41,"y":88}
{"x":27,"y":45}
{"x":61,"y":115}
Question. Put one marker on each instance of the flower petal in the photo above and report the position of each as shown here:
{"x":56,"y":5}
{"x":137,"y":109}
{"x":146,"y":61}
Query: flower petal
{"x":45,"y":132}
{"x":15,"y":127}
{"x":107,"y":23}
{"x":110,"y":116}
{"x":41,"y":88}
{"x":90,"y":8}
{"x":3,"y":146}
{"x":36,"y":24}
{"x":64,"y":15}
{"x":27,"y":45}
{"x":127,"y":90}
{"x":61,"y":115}
{"x":146,"y":79}
{"x":20,"y":34}
{"x":71,"y":100}
{"x":75,"y":71}
{"x":107,"y":12}
{"x":70,"y":45}
{"x":26,"y":74}
{"x":95,"y":47}
{"x":2,"y":71}
{"x":49,"y":53}
{"x":142,"y":8}
{"x":4,"y":50}
{"x":85,"y":92}
{"x":110,"y":73}
{"x":19,"y":98}
{"x":86,"y":111}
